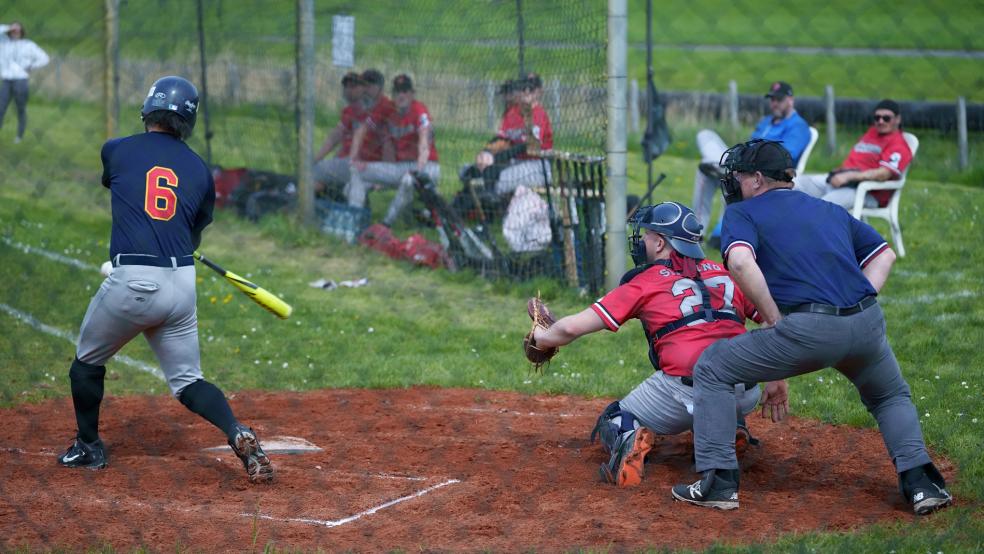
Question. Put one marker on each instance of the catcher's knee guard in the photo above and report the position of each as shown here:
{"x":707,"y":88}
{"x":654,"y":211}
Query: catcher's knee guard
{"x":608,"y":429}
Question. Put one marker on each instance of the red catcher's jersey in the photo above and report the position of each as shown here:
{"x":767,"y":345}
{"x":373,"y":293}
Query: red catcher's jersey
{"x":513,"y":127}
{"x":378,"y":133}
{"x":352,"y":117}
{"x":405,"y":129}
{"x":659,"y":296}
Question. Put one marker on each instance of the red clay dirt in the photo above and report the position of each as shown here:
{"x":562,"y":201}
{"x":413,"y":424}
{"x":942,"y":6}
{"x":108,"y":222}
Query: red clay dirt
{"x":415,"y":469}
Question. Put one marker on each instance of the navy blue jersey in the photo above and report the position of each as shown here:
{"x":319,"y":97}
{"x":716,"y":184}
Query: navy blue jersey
{"x":163,"y":195}
{"x":808,"y":249}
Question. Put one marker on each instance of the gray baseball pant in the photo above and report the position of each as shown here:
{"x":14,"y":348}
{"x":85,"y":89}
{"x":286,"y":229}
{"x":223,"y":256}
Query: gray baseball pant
{"x":855,"y":345}
{"x":18,"y":90}
{"x":665,"y":406}
{"x":390,"y":174}
{"x":332,"y":171}
{"x":156,"y":301}
{"x":816,"y":185}
{"x":529,"y":173}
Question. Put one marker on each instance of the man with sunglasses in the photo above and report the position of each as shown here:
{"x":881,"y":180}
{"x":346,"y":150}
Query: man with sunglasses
{"x":685,"y":303}
{"x":880,"y":155}
{"x":783,"y":124}
{"x":814,"y":278}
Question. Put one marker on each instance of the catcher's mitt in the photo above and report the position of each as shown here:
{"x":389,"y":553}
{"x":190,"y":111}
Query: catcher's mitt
{"x":541,"y":316}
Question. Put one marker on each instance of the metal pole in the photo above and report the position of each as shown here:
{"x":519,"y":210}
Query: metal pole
{"x":305,"y":109}
{"x":733,"y":105}
{"x":111,"y":83}
{"x":634,"y":104}
{"x":649,"y":90}
{"x":828,"y":96}
{"x":616,"y":148}
{"x":520,"y":30}
{"x":490,"y":106}
{"x":962,"y":132}
{"x":203,"y":95}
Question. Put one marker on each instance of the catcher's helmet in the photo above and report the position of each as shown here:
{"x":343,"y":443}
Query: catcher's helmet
{"x":174,"y":94}
{"x":768,"y":157}
{"x":674,"y":221}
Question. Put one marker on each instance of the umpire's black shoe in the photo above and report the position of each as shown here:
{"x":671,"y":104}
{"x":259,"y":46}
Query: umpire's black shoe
{"x":247,"y":448}
{"x":924,"y":488}
{"x":82,"y":454}
{"x":711,"y":170}
{"x":718,"y":488}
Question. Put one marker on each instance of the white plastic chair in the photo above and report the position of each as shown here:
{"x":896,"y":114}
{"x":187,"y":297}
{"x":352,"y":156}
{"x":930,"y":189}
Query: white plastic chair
{"x":805,"y":156}
{"x":890,"y":212}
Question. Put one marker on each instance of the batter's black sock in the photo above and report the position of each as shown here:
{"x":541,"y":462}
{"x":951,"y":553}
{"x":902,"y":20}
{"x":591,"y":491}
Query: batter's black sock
{"x":206,"y":400}
{"x":87,"y":394}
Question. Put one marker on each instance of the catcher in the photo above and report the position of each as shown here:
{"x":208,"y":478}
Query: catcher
{"x":685,"y":303}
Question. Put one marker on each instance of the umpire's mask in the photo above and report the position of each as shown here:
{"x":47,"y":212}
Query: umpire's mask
{"x":767,"y":157}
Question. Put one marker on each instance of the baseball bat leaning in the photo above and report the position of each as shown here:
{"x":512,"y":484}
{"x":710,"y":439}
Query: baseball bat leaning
{"x":257,"y":293}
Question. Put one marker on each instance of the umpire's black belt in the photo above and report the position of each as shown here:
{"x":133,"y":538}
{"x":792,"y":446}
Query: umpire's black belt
{"x":153,"y":261}
{"x":827,"y":309}
{"x":689,"y":381}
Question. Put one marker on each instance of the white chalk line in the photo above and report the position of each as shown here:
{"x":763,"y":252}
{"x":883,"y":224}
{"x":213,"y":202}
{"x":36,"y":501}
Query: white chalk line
{"x":931,"y":298}
{"x":351,"y":518}
{"x":49,"y":254}
{"x":70,"y":337}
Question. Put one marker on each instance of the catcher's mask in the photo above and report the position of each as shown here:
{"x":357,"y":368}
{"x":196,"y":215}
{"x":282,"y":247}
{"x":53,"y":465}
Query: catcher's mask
{"x":767,"y":157}
{"x":676,"y":222}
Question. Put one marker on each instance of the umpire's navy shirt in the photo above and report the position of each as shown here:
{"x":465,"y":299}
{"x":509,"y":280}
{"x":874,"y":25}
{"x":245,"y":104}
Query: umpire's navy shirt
{"x":808,"y":249}
{"x":163,"y":195}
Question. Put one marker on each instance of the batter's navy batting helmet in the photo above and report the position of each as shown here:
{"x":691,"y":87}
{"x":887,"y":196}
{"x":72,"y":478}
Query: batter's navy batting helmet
{"x":174,"y":94}
{"x":674,"y":221}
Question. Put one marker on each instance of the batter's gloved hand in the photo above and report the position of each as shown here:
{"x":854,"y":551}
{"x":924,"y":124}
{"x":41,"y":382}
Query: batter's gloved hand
{"x":542,"y":318}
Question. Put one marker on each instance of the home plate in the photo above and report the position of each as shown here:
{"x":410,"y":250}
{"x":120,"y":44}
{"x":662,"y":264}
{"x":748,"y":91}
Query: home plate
{"x":277,"y":445}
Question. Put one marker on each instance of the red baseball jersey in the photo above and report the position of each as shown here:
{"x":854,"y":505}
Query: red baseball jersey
{"x":874,"y":151}
{"x":405,"y":128}
{"x":659,"y":296}
{"x":513,"y":127}
{"x":353,"y":116}
{"x":378,"y":132}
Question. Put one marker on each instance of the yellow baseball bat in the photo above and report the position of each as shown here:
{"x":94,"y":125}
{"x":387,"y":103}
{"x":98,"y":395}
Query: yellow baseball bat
{"x":257,"y":293}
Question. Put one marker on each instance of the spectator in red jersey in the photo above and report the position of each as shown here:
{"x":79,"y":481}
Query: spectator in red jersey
{"x":880,"y":155}
{"x":410,"y":128}
{"x":334,"y":172}
{"x":372,"y":143}
{"x":685,"y":303}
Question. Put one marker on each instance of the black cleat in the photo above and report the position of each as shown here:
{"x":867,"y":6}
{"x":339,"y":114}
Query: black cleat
{"x":717,"y":489}
{"x":247,"y":447}
{"x":925,"y":488}
{"x":83,"y":454}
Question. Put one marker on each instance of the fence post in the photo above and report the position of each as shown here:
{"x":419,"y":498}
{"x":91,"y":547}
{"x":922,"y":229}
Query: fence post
{"x":490,"y":103}
{"x":111,"y":84}
{"x":733,"y":104}
{"x":555,"y":100}
{"x":962,"y":132}
{"x":828,"y":96}
{"x":616,"y":143}
{"x":634,"y":105}
{"x":305,"y":109}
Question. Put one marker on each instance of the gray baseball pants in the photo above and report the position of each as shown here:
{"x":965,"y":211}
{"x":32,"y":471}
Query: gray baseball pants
{"x":665,"y":406}
{"x":390,"y":174}
{"x":158,"y":302}
{"x":332,"y":171}
{"x":529,"y":173}
{"x":855,"y":345}
{"x":18,"y":90}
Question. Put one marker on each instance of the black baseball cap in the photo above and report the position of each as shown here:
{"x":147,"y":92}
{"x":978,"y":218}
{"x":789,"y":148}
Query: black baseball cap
{"x":402,"y":83}
{"x":530,"y":80}
{"x":352,"y":79}
{"x":888,"y":104}
{"x":373,"y":77}
{"x":768,"y":157}
{"x":779,"y":89}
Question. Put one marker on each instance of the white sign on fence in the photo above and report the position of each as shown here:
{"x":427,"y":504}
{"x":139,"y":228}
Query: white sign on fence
{"x":343,"y":40}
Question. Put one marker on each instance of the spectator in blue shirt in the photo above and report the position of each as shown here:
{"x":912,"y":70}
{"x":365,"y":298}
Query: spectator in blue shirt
{"x":782,"y":125}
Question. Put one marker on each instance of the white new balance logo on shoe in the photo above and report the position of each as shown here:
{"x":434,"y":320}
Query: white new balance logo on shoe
{"x":918,"y":497}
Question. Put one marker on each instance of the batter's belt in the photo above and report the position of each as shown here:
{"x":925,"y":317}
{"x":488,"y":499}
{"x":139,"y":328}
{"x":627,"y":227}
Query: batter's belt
{"x":152,"y":260}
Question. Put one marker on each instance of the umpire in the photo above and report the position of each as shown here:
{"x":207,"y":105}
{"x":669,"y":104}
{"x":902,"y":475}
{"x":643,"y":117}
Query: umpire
{"x":813,"y":272}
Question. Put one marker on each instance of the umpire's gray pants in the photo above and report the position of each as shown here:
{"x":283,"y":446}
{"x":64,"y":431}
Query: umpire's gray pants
{"x":800,"y":343}
{"x":158,"y":302}
{"x":17,"y":89}
{"x":665,"y":406}
{"x":390,"y":174}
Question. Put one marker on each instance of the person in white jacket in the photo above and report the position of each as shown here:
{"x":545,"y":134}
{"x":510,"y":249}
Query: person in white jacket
{"x":18,"y":57}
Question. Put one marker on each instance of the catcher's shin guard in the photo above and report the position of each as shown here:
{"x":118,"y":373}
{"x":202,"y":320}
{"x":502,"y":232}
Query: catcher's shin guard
{"x":609,"y":430}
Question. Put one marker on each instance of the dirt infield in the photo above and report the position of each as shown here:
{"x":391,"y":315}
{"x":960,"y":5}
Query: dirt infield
{"x":420,"y":468}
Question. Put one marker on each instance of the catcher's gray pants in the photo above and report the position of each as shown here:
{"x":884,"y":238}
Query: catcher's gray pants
{"x":18,"y":90}
{"x":666,"y":406}
{"x":332,"y":171}
{"x":390,"y":174}
{"x":529,"y":173}
{"x":800,"y":343}
{"x":158,"y":302}
{"x":711,"y":148}
{"x":815,"y":184}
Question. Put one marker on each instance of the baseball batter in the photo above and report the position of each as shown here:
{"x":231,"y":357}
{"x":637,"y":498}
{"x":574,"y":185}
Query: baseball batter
{"x":162,"y":198}
{"x":685,"y":303}
{"x":814,"y":273}
{"x":412,"y":131}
